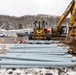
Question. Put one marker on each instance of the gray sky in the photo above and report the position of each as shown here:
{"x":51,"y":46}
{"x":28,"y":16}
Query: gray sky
{"x":33,"y":7}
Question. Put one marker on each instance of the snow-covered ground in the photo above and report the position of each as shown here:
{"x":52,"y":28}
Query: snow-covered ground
{"x":38,"y":71}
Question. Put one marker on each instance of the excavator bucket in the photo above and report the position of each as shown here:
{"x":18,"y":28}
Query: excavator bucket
{"x":69,"y":39}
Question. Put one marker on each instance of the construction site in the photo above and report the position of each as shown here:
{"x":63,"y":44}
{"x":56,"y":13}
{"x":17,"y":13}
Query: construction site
{"x":42,"y":49}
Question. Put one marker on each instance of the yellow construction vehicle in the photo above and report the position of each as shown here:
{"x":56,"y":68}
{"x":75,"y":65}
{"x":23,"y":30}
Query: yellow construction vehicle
{"x":71,"y":9}
{"x":40,"y":32}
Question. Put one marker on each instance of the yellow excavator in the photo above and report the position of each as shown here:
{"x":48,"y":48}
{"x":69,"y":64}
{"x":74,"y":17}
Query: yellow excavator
{"x":40,"y":31}
{"x":71,"y":9}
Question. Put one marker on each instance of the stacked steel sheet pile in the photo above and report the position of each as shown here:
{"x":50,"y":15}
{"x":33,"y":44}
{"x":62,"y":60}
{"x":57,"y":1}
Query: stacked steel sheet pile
{"x":36,"y":55}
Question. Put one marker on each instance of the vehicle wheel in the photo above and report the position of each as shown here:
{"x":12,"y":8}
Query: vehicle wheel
{"x":18,"y":35}
{"x":47,"y":36}
{"x":3,"y":35}
{"x":30,"y":36}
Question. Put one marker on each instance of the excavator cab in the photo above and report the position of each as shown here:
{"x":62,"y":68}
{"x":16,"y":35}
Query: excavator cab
{"x":40,"y":31}
{"x":61,"y":33}
{"x":63,"y":30}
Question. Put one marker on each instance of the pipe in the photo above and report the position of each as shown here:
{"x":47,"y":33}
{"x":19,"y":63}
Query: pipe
{"x":32,"y":45}
{"x":36,"y":59}
{"x":28,"y":66}
{"x":35,"y":51}
{"x":59,"y":53}
{"x":40,"y":54}
{"x":40,"y":49}
{"x":23,"y":66}
{"x":51,"y":60}
{"x":35,"y":46}
{"x":40,"y":41}
{"x":48,"y":64}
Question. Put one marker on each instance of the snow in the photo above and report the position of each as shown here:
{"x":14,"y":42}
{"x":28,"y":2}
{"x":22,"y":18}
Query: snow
{"x":38,"y":71}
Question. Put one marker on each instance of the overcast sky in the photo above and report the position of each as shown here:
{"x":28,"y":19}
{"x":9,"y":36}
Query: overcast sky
{"x":32,"y":7}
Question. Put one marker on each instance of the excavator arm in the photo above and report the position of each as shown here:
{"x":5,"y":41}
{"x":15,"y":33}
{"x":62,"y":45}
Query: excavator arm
{"x":73,"y":15}
{"x":71,"y":36}
{"x":64,"y":15}
{"x":72,"y":24}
